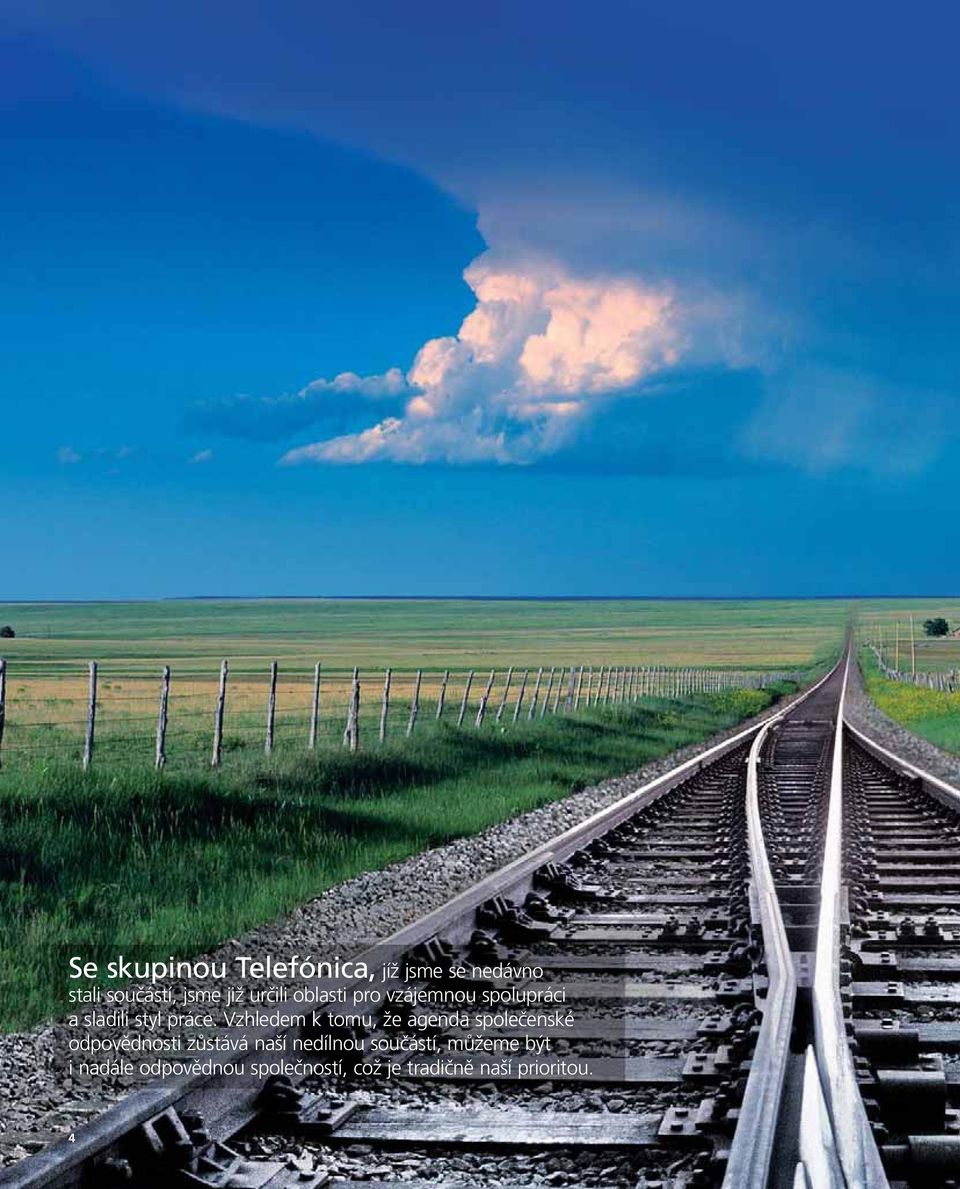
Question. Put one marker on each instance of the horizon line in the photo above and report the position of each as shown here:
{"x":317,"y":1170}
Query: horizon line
{"x":469,"y":598}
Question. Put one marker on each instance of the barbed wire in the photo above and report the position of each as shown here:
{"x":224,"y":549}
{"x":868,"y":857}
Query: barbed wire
{"x":186,"y":718}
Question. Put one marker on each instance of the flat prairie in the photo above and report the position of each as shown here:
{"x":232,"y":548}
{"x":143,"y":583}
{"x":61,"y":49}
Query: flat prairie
{"x":47,"y":678}
{"x":137,"y":637}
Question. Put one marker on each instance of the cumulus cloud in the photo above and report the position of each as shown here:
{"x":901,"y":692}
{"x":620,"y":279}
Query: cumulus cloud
{"x":202,"y":456}
{"x":338,"y":405}
{"x":541,"y":351}
{"x":67,"y":456}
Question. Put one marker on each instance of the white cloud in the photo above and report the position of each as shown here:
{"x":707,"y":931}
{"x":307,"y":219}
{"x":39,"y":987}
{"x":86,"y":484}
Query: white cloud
{"x":202,"y":456}
{"x":391,"y":383}
{"x":67,"y":456}
{"x":537,"y":354}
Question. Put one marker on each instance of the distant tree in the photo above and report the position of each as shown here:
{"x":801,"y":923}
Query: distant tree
{"x":936,"y":627}
{"x":7,"y":632}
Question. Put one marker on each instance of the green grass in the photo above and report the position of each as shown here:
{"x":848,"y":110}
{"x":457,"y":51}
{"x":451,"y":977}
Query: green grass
{"x":926,"y":712}
{"x":433,"y":634}
{"x":126,"y":859}
{"x":47,"y":674}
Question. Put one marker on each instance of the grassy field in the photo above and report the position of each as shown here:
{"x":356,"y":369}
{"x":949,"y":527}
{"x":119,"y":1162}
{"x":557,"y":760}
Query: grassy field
{"x":934,"y":715}
{"x":131,"y":860}
{"x":47,"y":679}
{"x":124,"y":857}
{"x":135,"y":638}
{"x":879,"y":618}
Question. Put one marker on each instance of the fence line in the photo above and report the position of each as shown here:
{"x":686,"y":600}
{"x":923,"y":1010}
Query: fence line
{"x":103,"y":715}
{"x":944,"y":681}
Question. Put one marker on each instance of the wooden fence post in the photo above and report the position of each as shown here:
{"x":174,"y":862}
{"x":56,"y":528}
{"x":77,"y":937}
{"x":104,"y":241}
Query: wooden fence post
{"x":465,"y":698}
{"x":595,"y":700}
{"x":271,"y":709}
{"x":315,"y":707}
{"x":503,"y":696}
{"x":546,"y":696}
{"x":218,"y":717}
{"x":3,"y":703}
{"x":161,"y":756}
{"x":385,"y":706}
{"x":523,"y":690}
{"x":484,"y":698}
{"x":355,"y":711}
{"x":442,"y":695}
{"x":91,"y":718}
{"x":415,"y":704}
{"x":576,"y":699}
{"x":536,"y":694}
{"x":913,"y":651}
{"x":559,"y":690}
{"x":351,"y":735}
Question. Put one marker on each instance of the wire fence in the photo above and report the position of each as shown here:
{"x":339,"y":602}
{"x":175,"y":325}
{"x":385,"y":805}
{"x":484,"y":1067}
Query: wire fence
{"x":945,"y":681}
{"x":101,"y":715}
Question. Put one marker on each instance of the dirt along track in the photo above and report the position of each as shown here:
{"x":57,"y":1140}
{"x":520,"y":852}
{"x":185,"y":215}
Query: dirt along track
{"x":648,"y":998}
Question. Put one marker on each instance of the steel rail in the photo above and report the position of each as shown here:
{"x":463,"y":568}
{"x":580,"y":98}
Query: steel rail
{"x":935,"y":784}
{"x":63,"y":1163}
{"x":752,"y":1149}
{"x":856,"y":1147}
{"x":819,"y":1164}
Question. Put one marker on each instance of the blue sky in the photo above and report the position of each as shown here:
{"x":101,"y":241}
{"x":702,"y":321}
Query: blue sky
{"x":539,"y":299}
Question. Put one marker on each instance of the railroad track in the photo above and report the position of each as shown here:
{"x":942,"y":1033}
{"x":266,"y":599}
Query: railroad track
{"x":729,"y":976}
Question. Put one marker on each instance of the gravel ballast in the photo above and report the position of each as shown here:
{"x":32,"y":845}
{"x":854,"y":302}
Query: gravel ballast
{"x":37,"y":1101}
